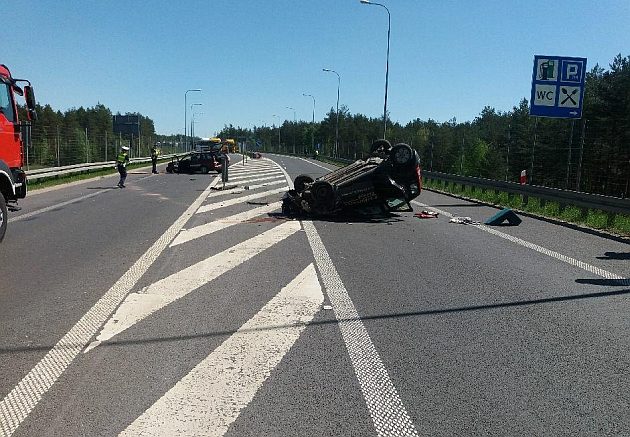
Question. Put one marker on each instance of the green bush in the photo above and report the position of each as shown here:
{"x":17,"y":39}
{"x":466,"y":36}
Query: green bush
{"x":596,"y":219}
{"x":621,"y":223}
{"x":533,"y":205}
{"x":551,"y":209}
{"x":572,"y":214}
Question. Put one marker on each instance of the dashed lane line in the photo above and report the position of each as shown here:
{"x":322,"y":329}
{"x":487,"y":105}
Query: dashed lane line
{"x":213,"y":394}
{"x":18,"y":404}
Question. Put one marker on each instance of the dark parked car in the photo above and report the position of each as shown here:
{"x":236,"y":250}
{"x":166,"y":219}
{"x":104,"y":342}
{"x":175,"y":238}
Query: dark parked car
{"x":388,"y":179}
{"x":196,"y":162}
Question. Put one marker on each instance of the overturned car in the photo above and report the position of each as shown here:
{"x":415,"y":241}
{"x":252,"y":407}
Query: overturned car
{"x":388,"y":180}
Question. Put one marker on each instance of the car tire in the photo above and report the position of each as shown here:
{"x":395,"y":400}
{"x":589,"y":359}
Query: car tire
{"x":324,"y":194}
{"x":401,"y":155}
{"x":300,"y":182}
{"x":4,"y":218}
{"x":381,"y":146}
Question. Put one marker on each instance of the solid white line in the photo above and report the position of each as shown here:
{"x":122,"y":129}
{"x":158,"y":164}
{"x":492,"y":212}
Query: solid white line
{"x":540,"y":249}
{"x":209,"y":228}
{"x":18,"y":404}
{"x":156,"y":296}
{"x":211,"y":397}
{"x":242,"y":199}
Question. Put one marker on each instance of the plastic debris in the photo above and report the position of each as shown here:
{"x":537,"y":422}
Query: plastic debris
{"x":426,"y":214}
{"x":464,"y":221}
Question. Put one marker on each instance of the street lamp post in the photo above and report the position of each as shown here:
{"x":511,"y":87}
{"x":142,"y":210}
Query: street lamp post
{"x":274,"y":115}
{"x":337,"y":125}
{"x":294,"y":125}
{"x":185,"y":113}
{"x":313,"y":124}
{"x":389,"y":26}
{"x":191,"y":129}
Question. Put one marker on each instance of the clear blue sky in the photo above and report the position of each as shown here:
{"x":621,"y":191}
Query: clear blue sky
{"x":254,"y":58}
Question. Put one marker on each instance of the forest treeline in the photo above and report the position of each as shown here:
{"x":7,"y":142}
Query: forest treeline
{"x":591,"y":154}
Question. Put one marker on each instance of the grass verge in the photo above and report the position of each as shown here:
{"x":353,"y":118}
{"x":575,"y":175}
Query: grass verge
{"x":596,"y":219}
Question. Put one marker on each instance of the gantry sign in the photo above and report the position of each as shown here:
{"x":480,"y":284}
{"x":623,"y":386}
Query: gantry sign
{"x":557,"y":87}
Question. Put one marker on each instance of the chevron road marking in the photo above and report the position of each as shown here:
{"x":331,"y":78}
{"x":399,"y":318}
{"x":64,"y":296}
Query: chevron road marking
{"x":210,"y":398}
{"x":209,"y":228}
{"x":18,"y":404}
{"x":242,"y":199}
{"x":248,"y":175}
{"x":241,"y":189}
{"x":156,"y":296}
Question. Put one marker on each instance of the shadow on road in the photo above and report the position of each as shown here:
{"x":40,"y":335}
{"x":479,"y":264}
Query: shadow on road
{"x":392,"y":316}
{"x":615,"y":255}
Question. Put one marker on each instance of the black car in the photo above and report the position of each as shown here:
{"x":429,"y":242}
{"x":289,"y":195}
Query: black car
{"x":388,"y":179}
{"x":196,"y":162}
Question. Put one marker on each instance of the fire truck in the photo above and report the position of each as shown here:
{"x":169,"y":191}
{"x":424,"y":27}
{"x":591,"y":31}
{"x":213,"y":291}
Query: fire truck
{"x":14,"y":136}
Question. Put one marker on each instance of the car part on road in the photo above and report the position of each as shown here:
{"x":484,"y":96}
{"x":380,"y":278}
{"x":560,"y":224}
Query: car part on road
{"x":388,"y":179}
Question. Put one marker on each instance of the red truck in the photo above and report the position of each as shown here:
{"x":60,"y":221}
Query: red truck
{"x":14,"y":136}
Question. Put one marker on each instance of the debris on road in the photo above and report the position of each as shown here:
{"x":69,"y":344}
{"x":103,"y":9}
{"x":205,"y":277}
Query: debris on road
{"x":505,"y":214}
{"x":426,"y":214}
{"x":464,"y":221}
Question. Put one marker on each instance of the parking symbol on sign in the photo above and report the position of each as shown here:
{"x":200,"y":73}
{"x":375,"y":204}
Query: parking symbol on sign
{"x":572,"y":71}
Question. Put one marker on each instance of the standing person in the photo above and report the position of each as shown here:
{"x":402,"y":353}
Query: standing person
{"x":154,"y":157}
{"x":121,"y":164}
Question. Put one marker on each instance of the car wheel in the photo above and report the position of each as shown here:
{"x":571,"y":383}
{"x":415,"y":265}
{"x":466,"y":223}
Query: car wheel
{"x":4,"y":219}
{"x":401,"y":154}
{"x":300,"y":182}
{"x":203,"y":169}
{"x":381,"y":146}
{"x":324,"y":194}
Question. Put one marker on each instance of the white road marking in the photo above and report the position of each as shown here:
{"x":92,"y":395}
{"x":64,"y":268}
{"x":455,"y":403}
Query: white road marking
{"x":240,"y":189}
{"x":56,"y":206}
{"x":251,"y":167}
{"x":242,"y":199}
{"x":388,"y":413}
{"x":249,"y":175}
{"x":254,"y":179}
{"x":67,"y":202}
{"x":210,"y":398}
{"x":137,"y":306}
{"x":19,"y":403}
{"x":209,"y":228}
{"x":620,"y":280}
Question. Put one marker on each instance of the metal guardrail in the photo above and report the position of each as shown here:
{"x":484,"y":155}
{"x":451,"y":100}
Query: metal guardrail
{"x":563,"y":197}
{"x":54,"y":172}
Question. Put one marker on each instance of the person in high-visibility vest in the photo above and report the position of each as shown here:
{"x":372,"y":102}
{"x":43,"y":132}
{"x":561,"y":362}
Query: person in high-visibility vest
{"x":154,"y":157}
{"x":121,"y":164}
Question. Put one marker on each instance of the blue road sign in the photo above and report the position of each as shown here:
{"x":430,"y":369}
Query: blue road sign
{"x":557,"y":87}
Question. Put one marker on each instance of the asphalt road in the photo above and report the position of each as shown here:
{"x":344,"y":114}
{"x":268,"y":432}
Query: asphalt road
{"x":174,"y":308}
